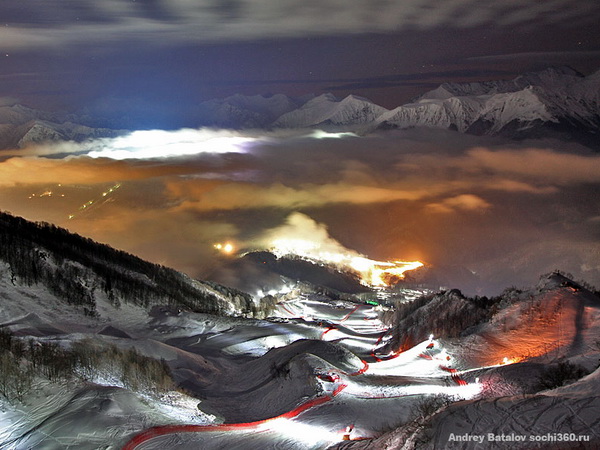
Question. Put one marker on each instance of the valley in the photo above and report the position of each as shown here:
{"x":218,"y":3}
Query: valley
{"x":322,"y":370}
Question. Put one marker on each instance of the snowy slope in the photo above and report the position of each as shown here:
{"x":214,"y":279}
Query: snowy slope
{"x":21,"y":126}
{"x":458,"y":113}
{"x":328,"y":110}
{"x":556,"y":321}
{"x":552,"y":420}
{"x":241,"y":111}
{"x":554,"y":96}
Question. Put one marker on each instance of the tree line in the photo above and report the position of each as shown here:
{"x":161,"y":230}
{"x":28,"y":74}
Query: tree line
{"x":445,"y":314}
{"x":74,"y":267}
{"x":23,"y":361}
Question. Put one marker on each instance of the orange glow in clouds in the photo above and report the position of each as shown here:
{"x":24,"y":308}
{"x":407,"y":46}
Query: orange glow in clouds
{"x":372,"y":273}
{"x":226,"y":248}
{"x":384,"y":273}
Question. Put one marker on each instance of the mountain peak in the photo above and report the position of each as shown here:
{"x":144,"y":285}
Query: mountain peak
{"x":328,"y":96}
{"x":557,"y":100}
{"x":561,"y":70}
{"x":550,"y":78}
{"x":353,"y":97}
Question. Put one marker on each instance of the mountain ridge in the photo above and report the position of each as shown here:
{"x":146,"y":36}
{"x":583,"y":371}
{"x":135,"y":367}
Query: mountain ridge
{"x":556,"y":102}
{"x":83,"y":273}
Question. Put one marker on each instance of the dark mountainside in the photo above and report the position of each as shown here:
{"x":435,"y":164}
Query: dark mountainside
{"x":297,"y":269}
{"x":74,"y":268}
{"x":450,"y":314}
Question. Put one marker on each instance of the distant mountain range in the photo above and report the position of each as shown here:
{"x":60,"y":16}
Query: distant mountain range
{"x":556,"y":102}
{"x":21,"y":126}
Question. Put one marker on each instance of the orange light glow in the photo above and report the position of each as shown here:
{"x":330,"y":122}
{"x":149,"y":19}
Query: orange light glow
{"x":384,"y":274}
{"x":372,"y":273}
{"x":226,"y":248}
{"x":507,"y":360}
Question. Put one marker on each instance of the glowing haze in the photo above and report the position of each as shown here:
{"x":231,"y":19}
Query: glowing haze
{"x":301,"y":236}
{"x":483,"y":213}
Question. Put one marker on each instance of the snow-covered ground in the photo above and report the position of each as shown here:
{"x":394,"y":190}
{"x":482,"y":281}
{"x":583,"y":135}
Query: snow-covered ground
{"x":317,"y":373}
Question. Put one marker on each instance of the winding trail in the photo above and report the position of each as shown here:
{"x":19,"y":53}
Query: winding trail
{"x":154,"y":432}
{"x":264,"y":425}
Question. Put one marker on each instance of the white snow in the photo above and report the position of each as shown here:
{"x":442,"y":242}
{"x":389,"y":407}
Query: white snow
{"x":250,"y":370}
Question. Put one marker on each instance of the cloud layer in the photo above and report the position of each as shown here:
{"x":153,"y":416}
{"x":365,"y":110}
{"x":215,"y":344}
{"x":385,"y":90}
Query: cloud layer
{"x":179,"y":21}
{"x":502,"y":211}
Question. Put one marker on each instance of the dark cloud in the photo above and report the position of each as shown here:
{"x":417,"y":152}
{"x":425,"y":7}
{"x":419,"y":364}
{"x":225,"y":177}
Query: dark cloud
{"x":147,"y":64}
{"x":51,"y":23}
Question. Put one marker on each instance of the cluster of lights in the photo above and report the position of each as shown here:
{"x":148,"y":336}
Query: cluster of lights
{"x":46,"y":193}
{"x":226,"y":248}
{"x":383,"y":271}
{"x":373,"y":273}
{"x":285,"y":289}
{"x":506,"y":360}
{"x":90,"y":203}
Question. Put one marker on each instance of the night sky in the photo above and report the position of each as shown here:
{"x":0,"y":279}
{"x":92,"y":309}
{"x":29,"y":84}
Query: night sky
{"x":152,"y":61}
{"x":506,"y":211}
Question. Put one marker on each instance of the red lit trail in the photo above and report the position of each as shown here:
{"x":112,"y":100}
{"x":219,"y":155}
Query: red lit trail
{"x":364,"y":368}
{"x":454,"y":375}
{"x":154,"y":432}
{"x":347,"y":316}
{"x":377,"y":358}
{"x":286,"y":309}
{"x":263,"y":425}
{"x":327,"y":330}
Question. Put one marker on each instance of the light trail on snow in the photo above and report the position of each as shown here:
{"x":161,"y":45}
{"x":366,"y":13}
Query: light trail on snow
{"x":424,"y":370}
{"x":279,"y":423}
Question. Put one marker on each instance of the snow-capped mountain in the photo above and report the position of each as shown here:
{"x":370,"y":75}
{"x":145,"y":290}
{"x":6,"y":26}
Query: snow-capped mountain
{"x":329,"y":110}
{"x":554,"y":101}
{"x":240,"y":111}
{"x":554,"y":78}
{"x":38,"y":131}
{"x":21,"y":126}
{"x":19,"y":114}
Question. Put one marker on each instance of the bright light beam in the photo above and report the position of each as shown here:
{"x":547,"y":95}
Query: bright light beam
{"x":160,"y":144}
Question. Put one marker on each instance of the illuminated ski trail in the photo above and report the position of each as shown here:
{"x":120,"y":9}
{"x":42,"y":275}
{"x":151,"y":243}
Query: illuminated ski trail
{"x":425,"y":369}
{"x":260,"y":425}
